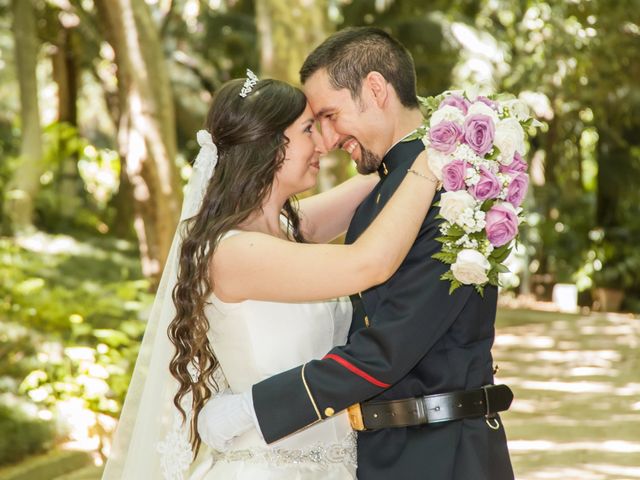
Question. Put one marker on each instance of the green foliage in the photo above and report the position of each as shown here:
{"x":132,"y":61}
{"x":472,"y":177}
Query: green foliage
{"x":71,"y":321}
{"x":418,"y":25}
{"x":618,"y":260}
{"x":22,"y":435}
{"x":9,"y":149}
{"x":73,"y":167}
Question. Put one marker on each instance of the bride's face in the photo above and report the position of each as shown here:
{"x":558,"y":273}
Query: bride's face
{"x":299,"y":171}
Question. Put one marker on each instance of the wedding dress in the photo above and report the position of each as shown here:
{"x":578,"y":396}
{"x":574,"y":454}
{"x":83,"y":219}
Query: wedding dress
{"x":254,"y":340}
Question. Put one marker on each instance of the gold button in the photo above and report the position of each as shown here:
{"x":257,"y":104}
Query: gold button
{"x":329,"y":411}
{"x":366,"y":321}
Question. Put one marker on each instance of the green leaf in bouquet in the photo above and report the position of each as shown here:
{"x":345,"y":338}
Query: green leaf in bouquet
{"x":494,"y":153}
{"x":431,"y":103}
{"x":446,"y":238}
{"x":419,"y":133}
{"x":500,"y":254}
{"x":448,"y":275}
{"x":479,"y":289}
{"x":502,"y":268}
{"x":486,"y":206}
{"x":456,"y":230}
{"x":455,"y":284}
{"x":531,"y":122}
{"x":493,"y":277}
{"x":448,"y":258}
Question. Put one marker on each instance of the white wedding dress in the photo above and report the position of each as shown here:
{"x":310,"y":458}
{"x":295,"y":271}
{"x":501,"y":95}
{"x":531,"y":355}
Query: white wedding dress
{"x":254,"y":340}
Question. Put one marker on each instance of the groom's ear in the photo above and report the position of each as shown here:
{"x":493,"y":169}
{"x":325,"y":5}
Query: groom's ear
{"x":378,"y":86}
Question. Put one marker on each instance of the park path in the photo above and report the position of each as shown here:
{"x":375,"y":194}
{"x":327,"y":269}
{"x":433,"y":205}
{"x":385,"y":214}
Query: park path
{"x":576,"y":378}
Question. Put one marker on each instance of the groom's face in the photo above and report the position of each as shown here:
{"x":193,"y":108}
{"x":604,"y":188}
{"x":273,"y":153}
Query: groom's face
{"x":346,"y":123}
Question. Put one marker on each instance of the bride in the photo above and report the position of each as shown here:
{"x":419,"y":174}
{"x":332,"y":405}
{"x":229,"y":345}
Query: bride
{"x":251,"y":288}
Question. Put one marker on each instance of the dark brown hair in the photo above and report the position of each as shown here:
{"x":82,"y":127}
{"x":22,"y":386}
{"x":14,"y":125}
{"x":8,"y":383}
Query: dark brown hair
{"x":351,"y":54}
{"x":249,"y":134}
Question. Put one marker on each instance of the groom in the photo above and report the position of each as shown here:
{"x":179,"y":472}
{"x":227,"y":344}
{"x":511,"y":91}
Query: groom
{"x":413,"y":372}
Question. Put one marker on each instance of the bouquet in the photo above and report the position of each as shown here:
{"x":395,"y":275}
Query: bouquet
{"x":475,"y":146}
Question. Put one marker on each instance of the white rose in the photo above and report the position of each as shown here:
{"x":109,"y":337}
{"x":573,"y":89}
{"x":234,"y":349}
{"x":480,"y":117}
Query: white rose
{"x":479,"y":108}
{"x":473,"y":92}
{"x":471,"y":267}
{"x":448,"y":112}
{"x":518,"y":109}
{"x":454,"y":204}
{"x":446,"y":93}
{"x":509,"y":138}
{"x":437,"y":161}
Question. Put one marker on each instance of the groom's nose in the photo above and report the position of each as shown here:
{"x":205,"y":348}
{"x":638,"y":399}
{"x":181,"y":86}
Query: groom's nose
{"x":330,"y":136}
{"x":318,"y":141}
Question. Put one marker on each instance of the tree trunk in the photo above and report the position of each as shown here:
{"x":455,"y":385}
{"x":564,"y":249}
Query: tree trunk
{"x":25,"y":184}
{"x":146,"y":127}
{"x":288,"y":32}
{"x":65,"y":74}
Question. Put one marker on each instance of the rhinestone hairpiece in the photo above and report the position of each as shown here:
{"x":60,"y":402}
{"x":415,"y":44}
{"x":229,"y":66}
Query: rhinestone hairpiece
{"x":249,"y":83}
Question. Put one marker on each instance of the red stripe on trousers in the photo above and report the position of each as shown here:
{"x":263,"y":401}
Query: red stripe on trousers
{"x":351,"y":367}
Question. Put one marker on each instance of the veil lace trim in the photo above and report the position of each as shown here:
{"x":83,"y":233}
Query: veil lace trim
{"x":175,"y":451}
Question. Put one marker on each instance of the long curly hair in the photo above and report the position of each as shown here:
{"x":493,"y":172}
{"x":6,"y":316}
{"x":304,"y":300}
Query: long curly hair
{"x":249,"y":134}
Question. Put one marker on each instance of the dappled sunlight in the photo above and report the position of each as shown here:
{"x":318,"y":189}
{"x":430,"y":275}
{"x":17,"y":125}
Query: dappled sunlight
{"x":528,"y":341}
{"x":569,"y":387}
{"x":607,"y":330}
{"x":589,"y":357}
{"x":587,"y":472}
{"x":60,"y":244}
{"x":576,"y":386}
{"x":591,"y":371}
{"x":616,"y":470}
{"x":613,"y":446}
{"x":41,"y":242}
{"x":629,"y":389}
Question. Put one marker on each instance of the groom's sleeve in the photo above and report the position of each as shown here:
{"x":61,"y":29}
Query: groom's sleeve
{"x":414,"y":312}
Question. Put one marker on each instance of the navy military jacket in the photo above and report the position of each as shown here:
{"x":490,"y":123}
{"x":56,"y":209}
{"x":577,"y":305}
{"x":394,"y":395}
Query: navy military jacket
{"x":409,"y":337}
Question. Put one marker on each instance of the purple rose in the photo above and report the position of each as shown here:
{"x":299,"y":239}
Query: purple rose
{"x":487,"y":102}
{"x":453,"y":175}
{"x":518,"y":189}
{"x":444,"y":137}
{"x":478,"y":133}
{"x":517,"y":165}
{"x":502,"y":224}
{"x":487,"y":187}
{"x":456,"y":101}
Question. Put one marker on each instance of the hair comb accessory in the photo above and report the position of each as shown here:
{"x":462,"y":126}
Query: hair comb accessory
{"x":249,"y":83}
{"x":203,"y":169}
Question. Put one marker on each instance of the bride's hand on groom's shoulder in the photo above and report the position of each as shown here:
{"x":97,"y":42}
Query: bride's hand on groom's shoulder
{"x":224,"y":417}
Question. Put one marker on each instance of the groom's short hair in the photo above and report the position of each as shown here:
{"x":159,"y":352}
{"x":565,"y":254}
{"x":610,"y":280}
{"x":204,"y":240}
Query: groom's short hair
{"x":350,"y":54}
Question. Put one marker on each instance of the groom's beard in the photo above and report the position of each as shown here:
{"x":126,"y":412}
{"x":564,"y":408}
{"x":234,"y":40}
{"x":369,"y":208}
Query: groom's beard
{"x":369,"y":162}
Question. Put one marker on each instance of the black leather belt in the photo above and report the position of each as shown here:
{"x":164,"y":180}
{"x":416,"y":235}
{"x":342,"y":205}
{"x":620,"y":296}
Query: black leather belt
{"x":444,"y":407}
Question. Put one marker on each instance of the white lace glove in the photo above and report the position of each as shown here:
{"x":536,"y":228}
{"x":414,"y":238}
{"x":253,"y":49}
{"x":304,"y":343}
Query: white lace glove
{"x":226,"y":416}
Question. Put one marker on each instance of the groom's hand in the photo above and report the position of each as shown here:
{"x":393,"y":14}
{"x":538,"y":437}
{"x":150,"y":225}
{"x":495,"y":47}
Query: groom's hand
{"x":224,"y":417}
